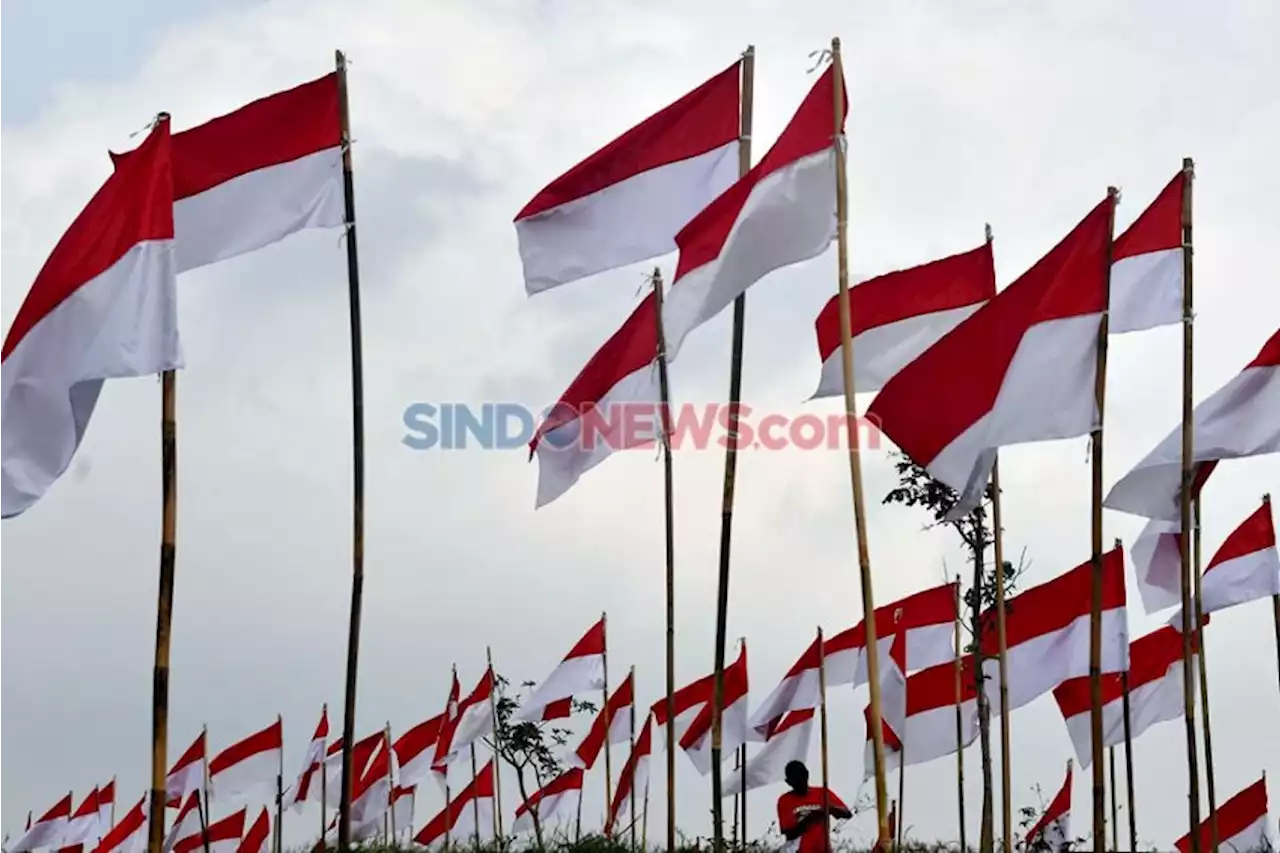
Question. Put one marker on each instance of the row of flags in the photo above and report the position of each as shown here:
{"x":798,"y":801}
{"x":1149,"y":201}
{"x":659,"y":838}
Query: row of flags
{"x":1047,"y":645}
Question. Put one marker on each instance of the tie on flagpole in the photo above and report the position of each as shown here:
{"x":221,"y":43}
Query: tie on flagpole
{"x":1210,"y":786}
{"x":357,"y":456}
{"x":730,"y":475}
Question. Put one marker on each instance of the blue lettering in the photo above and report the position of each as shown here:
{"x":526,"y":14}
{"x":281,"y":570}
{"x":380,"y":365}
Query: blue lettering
{"x":418,"y":420}
{"x":505,"y":439}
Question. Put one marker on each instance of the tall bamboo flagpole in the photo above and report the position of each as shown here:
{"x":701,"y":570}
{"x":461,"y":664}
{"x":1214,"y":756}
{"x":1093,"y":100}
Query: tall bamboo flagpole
{"x":324,"y":787}
{"x":391,"y":787}
{"x":1188,"y":480}
{"x":279,"y":827}
{"x":448,"y":793}
{"x":497,"y":752}
{"x":604,"y":709}
{"x":1115,"y":806}
{"x":1006,"y":753}
{"x":668,"y":482}
{"x":164,"y":600}
{"x":631,"y":804}
{"x":1204,"y":687}
{"x":730,"y":475}
{"x":964,"y":847}
{"x":822,"y":722}
{"x":855,"y":457}
{"x":899,"y":811}
{"x":742,"y":780}
{"x":1275,"y":600}
{"x":475,"y":801}
{"x":1128,"y":756}
{"x":357,"y":456}
{"x":1095,"y":610}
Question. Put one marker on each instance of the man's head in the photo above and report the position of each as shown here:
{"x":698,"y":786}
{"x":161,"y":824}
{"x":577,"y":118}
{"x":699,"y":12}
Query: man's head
{"x":797,"y":775}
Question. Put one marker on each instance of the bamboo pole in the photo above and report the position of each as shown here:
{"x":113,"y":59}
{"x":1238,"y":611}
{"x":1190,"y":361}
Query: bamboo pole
{"x":391,"y":787}
{"x":1095,"y":610}
{"x":902,"y":799}
{"x":855,"y":457}
{"x":1006,"y":754}
{"x":203,"y":816}
{"x":324,"y":786}
{"x":668,"y":482}
{"x":497,"y":743}
{"x":742,"y":779}
{"x":644,"y":823}
{"x":279,"y":827}
{"x":730,"y":481}
{"x":1188,"y":479}
{"x":113,"y":804}
{"x":357,"y":457}
{"x":1115,"y":806}
{"x":631,"y":794}
{"x":822,"y":720}
{"x":964,"y":847}
{"x":475,"y":800}
{"x":204,"y":790}
{"x":1210,"y":782}
{"x":604,"y":709}
{"x":1128,"y":757}
{"x":733,"y":832}
{"x":1275,"y":601}
{"x":164,"y":603}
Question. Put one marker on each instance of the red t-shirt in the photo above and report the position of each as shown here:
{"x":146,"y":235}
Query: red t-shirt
{"x":792,"y":808}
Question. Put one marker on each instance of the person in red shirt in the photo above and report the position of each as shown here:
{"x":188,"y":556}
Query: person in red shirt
{"x":801,"y":813}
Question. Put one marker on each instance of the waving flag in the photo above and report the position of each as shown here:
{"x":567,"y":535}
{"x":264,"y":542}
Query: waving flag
{"x":1146,"y":265}
{"x":581,"y":671}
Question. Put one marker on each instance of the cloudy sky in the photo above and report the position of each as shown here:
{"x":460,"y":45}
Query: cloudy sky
{"x":1015,"y":114}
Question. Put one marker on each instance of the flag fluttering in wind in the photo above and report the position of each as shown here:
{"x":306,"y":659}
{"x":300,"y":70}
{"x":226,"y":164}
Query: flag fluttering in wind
{"x":1155,"y":694}
{"x":255,"y":840}
{"x":473,"y":721}
{"x":307,"y":785}
{"x":581,"y":671}
{"x":696,"y":739}
{"x":1157,"y":565}
{"x":781,"y":212}
{"x":103,"y":306}
{"x":187,"y":823}
{"x":788,"y":742}
{"x":1146,"y":265}
{"x":634,"y":777}
{"x":221,"y":836}
{"x":1245,"y":568}
{"x":84,"y":825}
{"x":1242,"y":823}
{"x":897,"y":316}
{"x":129,"y":835}
{"x":415,"y":750}
{"x":611,"y":723}
{"x":372,"y":793}
{"x":625,"y":202}
{"x":929,"y":728}
{"x":439,"y":763}
{"x":252,"y":177}
{"x":106,"y":806}
{"x":48,"y":831}
{"x":558,"y":797}
{"x":362,"y":755}
{"x":248,"y":765}
{"x":1020,"y":369}
{"x":1241,"y":419}
{"x":613,"y":404}
{"x":458,"y":818}
{"x":1054,"y":826}
{"x":187,"y":774}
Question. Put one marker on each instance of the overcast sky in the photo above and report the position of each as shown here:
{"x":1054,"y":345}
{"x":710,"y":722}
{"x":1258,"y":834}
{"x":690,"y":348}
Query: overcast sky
{"x":1015,"y":114}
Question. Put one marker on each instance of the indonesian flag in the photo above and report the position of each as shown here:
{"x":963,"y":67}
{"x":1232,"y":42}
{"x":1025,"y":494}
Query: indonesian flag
{"x":1047,"y":631}
{"x":893,"y":704}
{"x":1146,"y":265}
{"x":929,"y":728}
{"x":1241,"y":419}
{"x":1054,"y":827}
{"x":250,"y":764}
{"x":1020,"y":369}
{"x":1157,"y":564}
{"x":307,"y":786}
{"x":1155,"y":693}
{"x":252,"y":177}
{"x":626,"y":202}
{"x":612,"y":405}
{"x":127,"y":836}
{"x":439,"y":767}
{"x":559,"y":797}
{"x":255,"y":840}
{"x":474,"y":720}
{"x":581,"y":671}
{"x":106,"y":805}
{"x":788,"y":742}
{"x":689,"y":702}
{"x":371,"y":797}
{"x":48,"y":831}
{"x":634,"y":777}
{"x":222,"y":836}
{"x":103,"y":306}
{"x":415,"y":750}
{"x":402,"y":798}
{"x":927,"y":619}
{"x":187,"y":773}
{"x":187,"y":822}
{"x":458,"y":818}
{"x":696,"y":739}
{"x":84,"y":824}
{"x":613,"y":721}
{"x":1242,"y":823}
{"x":362,"y":754}
{"x":897,"y":316}
{"x":780,"y":213}
{"x":1246,"y":567}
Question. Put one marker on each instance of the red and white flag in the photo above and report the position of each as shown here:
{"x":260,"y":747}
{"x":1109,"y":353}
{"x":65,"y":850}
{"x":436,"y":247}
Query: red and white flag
{"x":1242,"y":823}
{"x":362,"y":755}
{"x":1157,"y":565}
{"x":439,"y":766}
{"x":415,"y":750}
{"x":307,"y":786}
{"x":689,"y":702}
{"x":187,"y":823}
{"x":402,"y":800}
{"x":612,"y":722}
{"x":103,"y":306}
{"x":129,"y":835}
{"x":48,"y":831}
{"x":1241,"y":419}
{"x":1155,"y":694}
{"x":222,"y":836}
{"x":84,"y":825}
{"x":625,"y":202}
{"x":1146,"y":265}
{"x":1246,"y":567}
{"x":788,"y":742}
{"x":255,"y":840}
{"x":612,"y":405}
{"x":696,"y":739}
{"x":929,"y":728}
{"x":633,"y":779}
{"x":254,"y":176}
{"x":780,"y":213}
{"x":560,"y":797}
{"x":1054,"y":827}
{"x":1020,"y":369}
{"x":458,"y":818}
{"x":474,"y":720}
{"x":187,"y":774}
{"x":106,"y":806}
{"x":1047,"y":631}
{"x":248,"y":765}
{"x":371,"y":796}
{"x":581,"y":671}
{"x":898,"y":315}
